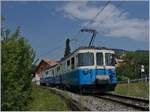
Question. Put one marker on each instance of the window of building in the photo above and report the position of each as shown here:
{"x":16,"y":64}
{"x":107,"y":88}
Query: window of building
{"x":42,"y":68}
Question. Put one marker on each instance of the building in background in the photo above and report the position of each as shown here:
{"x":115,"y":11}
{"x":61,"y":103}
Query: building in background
{"x":44,"y":63}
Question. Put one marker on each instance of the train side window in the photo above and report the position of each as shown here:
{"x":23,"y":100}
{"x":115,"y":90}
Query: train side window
{"x":49,"y":72}
{"x":58,"y":69}
{"x":46,"y":72}
{"x":72,"y":63}
{"x":53,"y":72}
{"x":68,"y":63}
{"x":76,"y":62}
{"x":65,"y":66}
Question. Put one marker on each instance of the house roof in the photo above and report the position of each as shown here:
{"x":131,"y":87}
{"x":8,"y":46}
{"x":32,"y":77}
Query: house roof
{"x":47,"y":62}
{"x":50,"y":62}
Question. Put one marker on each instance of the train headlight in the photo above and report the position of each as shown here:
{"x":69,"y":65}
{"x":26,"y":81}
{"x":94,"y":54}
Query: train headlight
{"x":102,"y":77}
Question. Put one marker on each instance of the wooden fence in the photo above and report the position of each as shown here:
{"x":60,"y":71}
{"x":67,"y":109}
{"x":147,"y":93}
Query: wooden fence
{"x":146,"y":79}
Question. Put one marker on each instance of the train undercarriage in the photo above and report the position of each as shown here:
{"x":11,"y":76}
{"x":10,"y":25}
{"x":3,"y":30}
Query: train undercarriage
{"x":97,"y":88}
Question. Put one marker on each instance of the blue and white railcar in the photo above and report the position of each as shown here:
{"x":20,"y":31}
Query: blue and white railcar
{"x":87,"y":67}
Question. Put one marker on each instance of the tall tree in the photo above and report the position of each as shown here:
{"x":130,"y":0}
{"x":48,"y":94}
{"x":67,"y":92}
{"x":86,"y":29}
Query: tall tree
{"x":17,"y":57}
{"x":67,"y":49}
{"x":132,"y":68}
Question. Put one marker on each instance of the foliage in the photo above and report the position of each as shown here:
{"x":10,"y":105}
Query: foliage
{"x":17,"y":57}
{"x":132,"y":67}
{"x":45,"y":100}
{"x":67,"y":49}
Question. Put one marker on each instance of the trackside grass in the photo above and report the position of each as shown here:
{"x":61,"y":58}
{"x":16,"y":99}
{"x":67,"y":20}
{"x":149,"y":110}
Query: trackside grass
{"x":44,"y":100}
{"x":140,"y":89}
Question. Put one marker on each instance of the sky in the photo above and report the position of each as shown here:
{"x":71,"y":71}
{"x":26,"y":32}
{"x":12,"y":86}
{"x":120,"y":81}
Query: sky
{"x":46,"y":24}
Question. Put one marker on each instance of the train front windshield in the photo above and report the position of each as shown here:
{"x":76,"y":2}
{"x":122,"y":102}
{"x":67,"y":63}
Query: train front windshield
{"x":109,"y":59}
{"x":85,"y":59}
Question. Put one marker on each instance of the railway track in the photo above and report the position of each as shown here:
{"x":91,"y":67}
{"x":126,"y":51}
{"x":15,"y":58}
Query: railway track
{"x":137,"y":103}
{"x":123,"y":102}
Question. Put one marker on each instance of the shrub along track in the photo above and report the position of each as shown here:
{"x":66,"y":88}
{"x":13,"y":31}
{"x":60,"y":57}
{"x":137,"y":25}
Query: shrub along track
{"x":137,"y":103}
{"x":72,"y":104}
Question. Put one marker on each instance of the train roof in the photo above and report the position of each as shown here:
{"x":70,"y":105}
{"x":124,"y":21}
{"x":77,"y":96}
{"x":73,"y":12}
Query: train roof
{"x":84,"y":48}
{"x":93,"y":47}
{"x":80,"y":48}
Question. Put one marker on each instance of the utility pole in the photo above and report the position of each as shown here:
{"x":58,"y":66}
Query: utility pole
{"x":93,"y":35}
{"x":67,"y":49}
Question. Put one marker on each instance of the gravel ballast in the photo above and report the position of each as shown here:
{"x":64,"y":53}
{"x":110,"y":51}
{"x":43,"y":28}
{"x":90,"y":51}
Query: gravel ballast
{"x":93,"y":103}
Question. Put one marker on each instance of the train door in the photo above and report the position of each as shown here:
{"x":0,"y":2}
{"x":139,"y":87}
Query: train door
{"x":101,"y":76}
{"x":100,"y":65}
{"x":86,"y":67}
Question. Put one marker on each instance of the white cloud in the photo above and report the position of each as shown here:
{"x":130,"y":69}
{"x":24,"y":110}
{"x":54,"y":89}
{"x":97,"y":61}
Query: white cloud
{"x":111,"y":22}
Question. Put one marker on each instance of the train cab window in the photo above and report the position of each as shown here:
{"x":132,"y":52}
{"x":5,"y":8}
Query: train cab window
{"x":99,"y":59}
{"x":85,"y":59}
{"x":72,"y":63}
{"x":109,"y":59}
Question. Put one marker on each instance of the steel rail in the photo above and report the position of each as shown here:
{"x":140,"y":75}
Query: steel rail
{"x":129,"y":97}
{"x":138,"y":103}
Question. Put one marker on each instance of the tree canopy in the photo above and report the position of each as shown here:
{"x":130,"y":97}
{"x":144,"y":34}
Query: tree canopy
{"x":132,"y":67}
{"x":17,"y":57}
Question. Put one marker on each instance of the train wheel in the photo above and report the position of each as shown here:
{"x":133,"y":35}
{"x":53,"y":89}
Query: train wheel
{"x":64,"y":87}
{"x":80,"y":90}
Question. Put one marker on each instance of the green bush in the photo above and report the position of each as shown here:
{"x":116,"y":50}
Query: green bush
{"x":131,"y":68}
{"x":17,"y":56}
